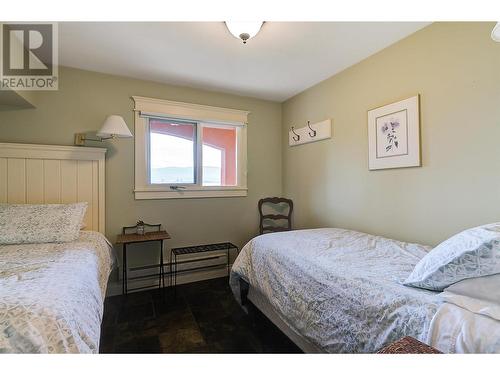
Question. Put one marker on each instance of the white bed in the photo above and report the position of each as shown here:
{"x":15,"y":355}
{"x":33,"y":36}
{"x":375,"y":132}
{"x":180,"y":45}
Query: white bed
{"x":51,"y":295}
{"x":338,"y":291}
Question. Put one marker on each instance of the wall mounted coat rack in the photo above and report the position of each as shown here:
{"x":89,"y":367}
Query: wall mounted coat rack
{"x":310,"y":133}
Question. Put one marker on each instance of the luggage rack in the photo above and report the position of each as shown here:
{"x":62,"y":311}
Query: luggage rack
{"x":199,"y":249}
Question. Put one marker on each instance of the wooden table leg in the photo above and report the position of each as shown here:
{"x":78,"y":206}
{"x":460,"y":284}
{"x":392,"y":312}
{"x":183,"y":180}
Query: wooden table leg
{"x":228,"y":264}
{"x":175,"y":275}
{"x":124,"y":272}
{"x":162,"y":280}
{"x":171,"y":270}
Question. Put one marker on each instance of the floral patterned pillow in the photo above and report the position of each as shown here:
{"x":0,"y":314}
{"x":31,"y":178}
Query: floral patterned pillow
{"x":472,"y":253}
{"x":40,"y":223}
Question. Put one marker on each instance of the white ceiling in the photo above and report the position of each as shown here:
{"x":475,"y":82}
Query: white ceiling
{"x":284,"y":59}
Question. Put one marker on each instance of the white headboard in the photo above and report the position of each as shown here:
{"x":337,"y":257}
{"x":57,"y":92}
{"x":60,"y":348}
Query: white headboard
{"x":54,"y":174}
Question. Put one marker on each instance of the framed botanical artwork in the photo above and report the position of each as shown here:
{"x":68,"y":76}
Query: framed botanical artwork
{"x":394,"y":135}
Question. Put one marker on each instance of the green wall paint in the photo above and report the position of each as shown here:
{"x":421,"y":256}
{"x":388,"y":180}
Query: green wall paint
{"x":456,"y":69}
{"x":81,"y":105}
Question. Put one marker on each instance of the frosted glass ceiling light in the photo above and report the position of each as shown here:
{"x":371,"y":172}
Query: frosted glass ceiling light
{"x":495,"y":34}
{"x":244,"y":30}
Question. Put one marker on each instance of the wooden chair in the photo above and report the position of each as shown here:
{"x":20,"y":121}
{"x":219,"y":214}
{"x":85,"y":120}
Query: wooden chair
{"x":287,"y":217}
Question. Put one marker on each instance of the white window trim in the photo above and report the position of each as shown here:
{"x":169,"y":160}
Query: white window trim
{"x":200,"y":113}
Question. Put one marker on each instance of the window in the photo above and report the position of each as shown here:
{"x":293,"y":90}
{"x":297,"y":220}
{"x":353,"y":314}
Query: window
{"x":173,"y":152}
{"x":172,"y":149}
{"x":188,"y":151}
{"x":219,"y":155}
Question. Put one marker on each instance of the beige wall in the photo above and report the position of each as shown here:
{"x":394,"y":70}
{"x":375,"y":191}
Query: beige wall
{"x":81,"y":104}
{"x":456,"y":69}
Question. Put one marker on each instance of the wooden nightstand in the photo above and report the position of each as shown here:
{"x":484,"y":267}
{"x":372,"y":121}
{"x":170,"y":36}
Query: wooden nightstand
{"x":133,"y":238}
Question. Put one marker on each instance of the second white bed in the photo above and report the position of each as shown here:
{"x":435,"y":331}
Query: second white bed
{"x":340,"y":291}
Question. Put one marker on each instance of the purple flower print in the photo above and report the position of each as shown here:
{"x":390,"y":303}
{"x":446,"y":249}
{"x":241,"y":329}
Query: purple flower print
{"x":389,"y":128}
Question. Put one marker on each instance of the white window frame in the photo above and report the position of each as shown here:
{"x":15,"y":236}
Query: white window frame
{"x":201,"y":114}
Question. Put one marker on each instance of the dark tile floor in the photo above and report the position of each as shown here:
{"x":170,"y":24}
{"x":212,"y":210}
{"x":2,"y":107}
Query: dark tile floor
{"x":203,"y":318}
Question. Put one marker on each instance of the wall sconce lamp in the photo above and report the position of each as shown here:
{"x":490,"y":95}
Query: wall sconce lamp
{"x":114,"y":127}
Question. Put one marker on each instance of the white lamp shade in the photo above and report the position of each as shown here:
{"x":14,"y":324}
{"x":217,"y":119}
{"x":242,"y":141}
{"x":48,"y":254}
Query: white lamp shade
{"x":114,"y":126}
{"x":495,"y":34}
{"x":240,"y":28}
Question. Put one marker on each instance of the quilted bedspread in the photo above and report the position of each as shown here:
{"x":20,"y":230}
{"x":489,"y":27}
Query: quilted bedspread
{"x":51,"y":295}
{"x":339,"y":289}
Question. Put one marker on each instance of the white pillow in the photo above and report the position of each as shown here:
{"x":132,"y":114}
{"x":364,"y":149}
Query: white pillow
{"x":472,"y":253}
{"x":486,"y":288}
{"x":40,"y":223}
{"x":480,"y":295}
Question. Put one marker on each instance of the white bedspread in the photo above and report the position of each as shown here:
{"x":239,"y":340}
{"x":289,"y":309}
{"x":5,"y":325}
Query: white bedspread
{"x":457,"y":330}
{"x":339,"y":289}
{"x":51,"y":295}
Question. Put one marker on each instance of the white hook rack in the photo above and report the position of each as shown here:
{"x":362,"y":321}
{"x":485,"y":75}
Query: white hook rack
{"x":310,"y":133}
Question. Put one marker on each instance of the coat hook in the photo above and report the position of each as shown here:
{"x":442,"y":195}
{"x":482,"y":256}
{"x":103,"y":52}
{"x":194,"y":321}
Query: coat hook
{"x":296,"y":137}
{"x":312,"y":130}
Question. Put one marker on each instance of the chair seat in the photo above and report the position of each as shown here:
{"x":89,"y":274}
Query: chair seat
{"x":274,"y":229}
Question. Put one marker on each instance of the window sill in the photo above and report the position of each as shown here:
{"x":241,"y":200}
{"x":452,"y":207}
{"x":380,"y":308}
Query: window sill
{"x":183,"y":194}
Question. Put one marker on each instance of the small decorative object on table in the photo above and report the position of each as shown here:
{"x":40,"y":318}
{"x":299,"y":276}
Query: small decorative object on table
{"x":137,"y":234}
{"x":140,"y":227}
{"x":408,"y":345}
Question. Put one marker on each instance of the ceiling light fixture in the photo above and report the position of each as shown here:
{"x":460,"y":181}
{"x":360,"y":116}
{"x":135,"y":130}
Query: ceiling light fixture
{"x":495,"y":33}
{"x":244,"y":30}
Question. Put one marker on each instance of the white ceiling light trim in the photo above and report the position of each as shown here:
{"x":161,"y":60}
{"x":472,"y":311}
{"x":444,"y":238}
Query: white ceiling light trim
{"x":244,"y":30}
{"x":495,"y":33}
